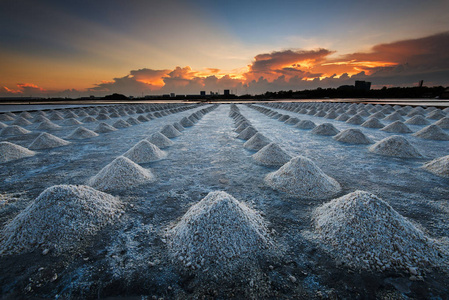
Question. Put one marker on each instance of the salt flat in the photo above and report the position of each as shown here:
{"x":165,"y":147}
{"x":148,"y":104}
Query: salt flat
{"x":130,"y":257}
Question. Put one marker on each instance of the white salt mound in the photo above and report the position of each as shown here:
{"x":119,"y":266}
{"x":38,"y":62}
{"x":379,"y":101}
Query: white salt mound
{"x":3,"y":125}
{"x":247,"y":133}
{"x":121,"y":124}
{"x":372,"y":123}
{"x":353,"y":136}
{"x":271,"y":156}
{"x":356,"y":120}
{"x":178,"y":126}
{"x":365,"y":232}
{"x":438,"y":166}
{"x":10,"y":151}
{"x":417,"y":120}
{"x":395,"y":146}
{"x":397,"y":127}
{"x":443,"y":123}
{"x":21,"y":122}
{"x":219,"y":231}
{"x":72,"y":121}
{"x":13,"y":130}
{"x":160,"y":140}
{"x":104,"y":128}
{"x":81,"y":133}
{"x":325,"y":129}
{"x":256,"y":142}
{"x":432,"y":132}
{"x":170,"y":131}
{"x":302,"y":178}
{"x":120,"y":174}
{"x":185,"y":122}
{"x":46,"y":140}
{"x":305,"y":124}
{"x":48,"y":125}
{"x":59,"y":219}
{"x":144,"y":152}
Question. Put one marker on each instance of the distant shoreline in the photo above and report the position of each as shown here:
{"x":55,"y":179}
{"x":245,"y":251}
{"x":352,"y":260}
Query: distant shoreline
{"x":31,"y":105}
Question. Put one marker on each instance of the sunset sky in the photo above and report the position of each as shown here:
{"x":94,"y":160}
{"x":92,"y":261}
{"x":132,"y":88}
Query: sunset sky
{"x":84,"y":47}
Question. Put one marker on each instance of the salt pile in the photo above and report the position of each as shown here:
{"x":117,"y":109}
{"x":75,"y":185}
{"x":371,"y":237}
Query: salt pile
{"x":21,"y":122}
{"x":343,"y":117}
{"x":40,"y":119}
{"x":394,"y":117}
{"x":256,"y":142}
{"x":48,"y":125}
{"x":81,"y":133}
{"x":365,"y":232}
{"x":55,"y":116}
{"x":271,"y":156}
{"x":178,"y":126}
{"x":133,"y":121}
{"x":397,"y":127}
{"x":104,"y":128}
{"x":372,"y":123}
{"x":72,"y":121}
{"x":185,"y":122}
{"x":395,"y":146}
{"x":247,"y":133}
{"x":292,"y":121}
{"x":26,"y":115}
{"x":5,"y":117}
{"x":160,"y":140}
{"x":89,"y":120}
{"x":331,"y":115}
{"x":356,"y":120}
{"x":439,"y":166}
{"x":121,"y":173}
{"x":284,"y":118}
{"x":13,"y":130}
{"x":242,"y":127}
{"x":325,"y":129}
{"x":142,"y":119}
{"x":144,"y":152}
{"x":320,"y":114}
{"x":432,"y":132}
{"x":417,"y":120}
{"x":46,"y":140}
{"x":219,"y":231}
{"x":102,"y":116}
{"x":10,"y":151}
{"x":121,"y":124}
{"x":305,"y":124}
{"x":170,"y":131}
{"x":3,"y":125}
{"x":443,"y":123}
{"x":353,"y":136}
{"x":302,"y":178}
{"x":436,"y":115}
{"x":59,"y":219}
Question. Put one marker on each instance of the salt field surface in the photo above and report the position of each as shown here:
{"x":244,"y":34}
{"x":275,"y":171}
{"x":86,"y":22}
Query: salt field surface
{"x":292,"y":214}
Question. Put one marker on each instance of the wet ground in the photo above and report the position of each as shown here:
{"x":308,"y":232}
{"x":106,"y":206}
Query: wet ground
{"x":130,"y":258}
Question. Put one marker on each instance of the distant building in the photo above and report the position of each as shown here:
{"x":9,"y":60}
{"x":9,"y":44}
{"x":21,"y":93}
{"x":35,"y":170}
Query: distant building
{"x":362,"y":85}
{"x":203,"y":93}
{"x":172,"y":95}
{"x":226,"y":92}
{"x":421,"y":82}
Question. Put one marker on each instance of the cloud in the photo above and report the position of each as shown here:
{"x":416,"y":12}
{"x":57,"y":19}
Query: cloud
{"x":270,"y":64}
{"x":23,"y":90}
{"x":400,"y":63}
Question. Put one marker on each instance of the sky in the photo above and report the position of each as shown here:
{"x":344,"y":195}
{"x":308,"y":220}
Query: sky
{"x":72,"y":48}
